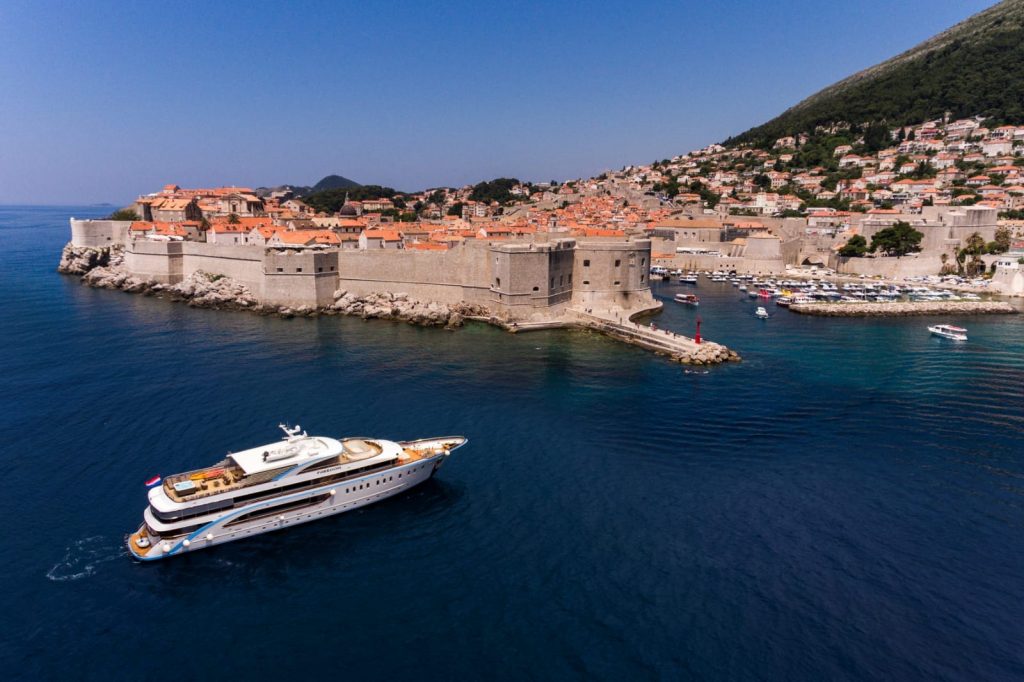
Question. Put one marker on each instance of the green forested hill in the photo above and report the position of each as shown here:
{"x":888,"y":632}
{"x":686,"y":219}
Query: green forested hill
{"x":976,"y":67}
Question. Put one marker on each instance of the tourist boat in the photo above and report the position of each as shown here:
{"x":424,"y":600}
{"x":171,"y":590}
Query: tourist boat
{"x":784,"y":301}
{"x":301,"y":478}
{"x":688,"y":279}
{"x":761,"y":312}
{"x":689,"y":299}
{"x":948,"y":331}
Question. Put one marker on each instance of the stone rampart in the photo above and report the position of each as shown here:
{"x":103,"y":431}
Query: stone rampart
{"x":889,"y":267}
{"x":99,"y":233}
{"x":459,"y":274}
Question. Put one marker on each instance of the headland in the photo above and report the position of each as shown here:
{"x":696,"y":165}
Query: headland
{"x":534,"y":282}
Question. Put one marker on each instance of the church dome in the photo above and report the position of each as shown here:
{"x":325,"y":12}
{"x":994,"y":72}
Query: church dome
{"x":348,"y":211}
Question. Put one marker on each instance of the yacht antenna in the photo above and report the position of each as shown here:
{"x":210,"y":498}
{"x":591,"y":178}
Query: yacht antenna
{"x":293,"y":432}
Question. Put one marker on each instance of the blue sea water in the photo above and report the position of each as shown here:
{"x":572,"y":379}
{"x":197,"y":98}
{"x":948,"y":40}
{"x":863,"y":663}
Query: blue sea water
{"x":847,"y":503}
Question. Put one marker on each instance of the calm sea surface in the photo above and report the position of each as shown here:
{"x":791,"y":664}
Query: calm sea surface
{"x":848,"y":503}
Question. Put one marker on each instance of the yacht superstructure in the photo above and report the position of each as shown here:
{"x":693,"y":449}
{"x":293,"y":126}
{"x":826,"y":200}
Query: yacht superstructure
{"x":298,"y":479}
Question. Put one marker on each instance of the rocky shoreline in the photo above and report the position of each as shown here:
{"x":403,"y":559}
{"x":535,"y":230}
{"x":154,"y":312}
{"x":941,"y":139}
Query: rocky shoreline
{"x":904,"y":308}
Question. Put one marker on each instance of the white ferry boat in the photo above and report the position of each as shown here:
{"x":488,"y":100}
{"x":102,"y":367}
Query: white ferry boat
{"x":948,"y":331}
{"x":688,"y":299}
{"x":301,"y":478}
{"x":688,"y":279}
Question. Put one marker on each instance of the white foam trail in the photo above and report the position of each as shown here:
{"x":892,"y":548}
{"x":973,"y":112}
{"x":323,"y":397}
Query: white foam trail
{"x":81,"y":559}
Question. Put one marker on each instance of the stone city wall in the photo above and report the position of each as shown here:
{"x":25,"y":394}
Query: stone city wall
{"x":889,"y":267}
{"x":459,"y":274}
{"x":99,"y":233}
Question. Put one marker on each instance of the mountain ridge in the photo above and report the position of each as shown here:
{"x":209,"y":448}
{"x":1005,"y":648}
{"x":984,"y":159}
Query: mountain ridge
{"x":973,"y":67}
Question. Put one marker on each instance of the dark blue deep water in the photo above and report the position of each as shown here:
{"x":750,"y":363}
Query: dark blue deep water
{"x":848,"y":503}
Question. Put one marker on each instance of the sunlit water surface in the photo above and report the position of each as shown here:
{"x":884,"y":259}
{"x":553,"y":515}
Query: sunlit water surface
{"x":844,"y":504}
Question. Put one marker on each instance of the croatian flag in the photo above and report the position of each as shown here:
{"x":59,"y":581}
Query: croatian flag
{"x":152,"y":482}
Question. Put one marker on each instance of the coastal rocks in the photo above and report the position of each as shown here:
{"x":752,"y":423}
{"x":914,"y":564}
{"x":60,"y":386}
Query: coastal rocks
{"x":707,"y":354}
{"x":78,"y":260}
{"x":399,"y":306}
{"x":904,"y":308}
{"x":203,"y":290}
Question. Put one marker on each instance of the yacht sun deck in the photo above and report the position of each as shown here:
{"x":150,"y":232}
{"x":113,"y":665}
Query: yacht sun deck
{"x":265,"y":463}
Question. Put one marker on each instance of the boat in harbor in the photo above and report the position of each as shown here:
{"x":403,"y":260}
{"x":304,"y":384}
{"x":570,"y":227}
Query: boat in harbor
{"x":688,"y":299}
{"x":689,"y":278}
{"x":301,"y":478}
{"x":761,"y":313}
{"x":948,"y":331}
{"x":784,"y":301}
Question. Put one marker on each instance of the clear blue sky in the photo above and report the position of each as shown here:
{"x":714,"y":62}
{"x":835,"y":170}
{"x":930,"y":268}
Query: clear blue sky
{"x":104,"y":100}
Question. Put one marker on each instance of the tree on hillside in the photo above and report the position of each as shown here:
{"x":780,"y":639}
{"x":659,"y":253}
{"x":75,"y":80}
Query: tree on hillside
{"x":876,"y":137}
{"x":456,"y":208}
{"x":499,"y":190}
{"x":855,"y":247}
{"x":123,"y":214}
{"x":898,"y":240}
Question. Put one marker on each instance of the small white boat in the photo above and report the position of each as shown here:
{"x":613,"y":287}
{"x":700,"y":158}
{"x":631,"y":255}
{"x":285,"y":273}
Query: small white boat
{"x":784,"y":301}
{"x":688,"y":279}
{"x":948,"y":331}
{"x":689,"y":299}
{"x":761,"y":313}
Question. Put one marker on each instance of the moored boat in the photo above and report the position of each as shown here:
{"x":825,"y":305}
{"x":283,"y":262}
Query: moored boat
{"x":261,"y":489}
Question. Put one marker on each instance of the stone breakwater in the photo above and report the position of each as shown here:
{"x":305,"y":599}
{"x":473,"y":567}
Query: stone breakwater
{"x":904,"y":308}
{"x":679,"y":348}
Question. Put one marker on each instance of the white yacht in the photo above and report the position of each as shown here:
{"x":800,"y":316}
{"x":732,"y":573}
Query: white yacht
{"x":948,"y":331}
{"x":761,"y":312}
{"x":301,"y":478}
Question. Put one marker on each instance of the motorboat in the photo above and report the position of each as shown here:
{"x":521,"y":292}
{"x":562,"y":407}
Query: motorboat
{"x":948,"y":331}
{"x":761,"y":313}
{"x":688,"y":299}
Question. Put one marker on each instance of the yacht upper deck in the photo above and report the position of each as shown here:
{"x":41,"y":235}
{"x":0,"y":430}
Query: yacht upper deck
{"x":266,"y":463}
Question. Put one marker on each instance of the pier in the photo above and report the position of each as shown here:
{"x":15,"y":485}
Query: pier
{"x":684,"y":349}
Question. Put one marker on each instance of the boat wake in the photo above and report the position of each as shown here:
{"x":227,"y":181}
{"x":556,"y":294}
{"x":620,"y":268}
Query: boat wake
{"x":81,"y":558}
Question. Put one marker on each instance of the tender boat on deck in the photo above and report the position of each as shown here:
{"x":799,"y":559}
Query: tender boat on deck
{"x":299,"y":479}
{"x":948,"y":331}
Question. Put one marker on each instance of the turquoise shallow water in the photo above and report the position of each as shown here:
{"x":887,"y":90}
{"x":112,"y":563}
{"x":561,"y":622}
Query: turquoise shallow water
{"x":844,"y":504}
